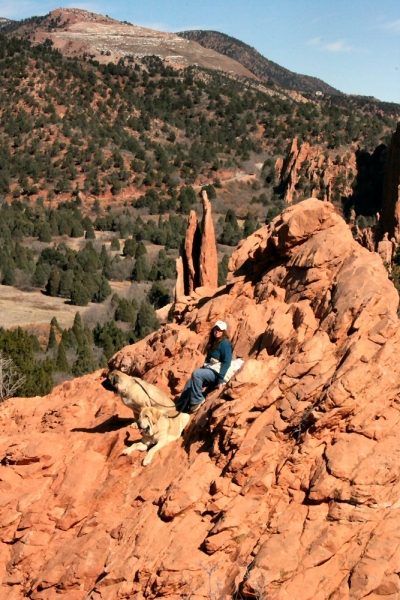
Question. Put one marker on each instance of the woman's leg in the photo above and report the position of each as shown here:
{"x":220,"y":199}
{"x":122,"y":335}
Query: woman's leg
{"x":200,"y":378}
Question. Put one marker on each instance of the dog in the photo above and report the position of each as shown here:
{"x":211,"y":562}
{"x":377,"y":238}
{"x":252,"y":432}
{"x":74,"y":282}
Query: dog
{"x":137,"y":394}
{"x":158,"y":429}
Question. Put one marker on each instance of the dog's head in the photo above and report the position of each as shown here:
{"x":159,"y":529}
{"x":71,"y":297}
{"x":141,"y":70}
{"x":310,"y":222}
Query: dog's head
{"x":148,"y":419}
{"x":118,"y":380}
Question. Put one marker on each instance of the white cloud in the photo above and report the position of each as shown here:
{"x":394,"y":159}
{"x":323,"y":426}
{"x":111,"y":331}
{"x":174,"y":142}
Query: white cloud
{"x":394,"y":26}
{"x":339,"y":46}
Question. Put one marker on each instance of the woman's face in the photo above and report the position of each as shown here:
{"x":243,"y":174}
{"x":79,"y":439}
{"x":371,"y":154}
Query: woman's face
{"x":217,"y":332}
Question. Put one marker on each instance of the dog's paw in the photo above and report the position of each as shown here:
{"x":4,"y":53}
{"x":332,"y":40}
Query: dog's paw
{"x":126,"y":452}
{"x":134,"y":425}
{"x":146,"y":461}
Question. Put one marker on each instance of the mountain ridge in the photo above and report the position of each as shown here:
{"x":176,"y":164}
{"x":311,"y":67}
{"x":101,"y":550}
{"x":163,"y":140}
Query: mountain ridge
{"x":264,"y":68}
{"x":83,"y":34}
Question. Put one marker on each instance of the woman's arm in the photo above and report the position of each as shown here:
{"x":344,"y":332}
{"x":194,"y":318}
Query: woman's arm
{"x":225,"y":357}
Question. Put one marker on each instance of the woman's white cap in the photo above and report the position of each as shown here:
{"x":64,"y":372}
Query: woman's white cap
{"x":221,"y":325}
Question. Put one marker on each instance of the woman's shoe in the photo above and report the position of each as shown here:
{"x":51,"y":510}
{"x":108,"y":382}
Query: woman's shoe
{"x":193,"y":408}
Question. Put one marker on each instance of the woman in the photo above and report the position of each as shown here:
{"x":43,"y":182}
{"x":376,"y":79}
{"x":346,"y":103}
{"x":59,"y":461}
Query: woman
{"x":218,"y":360}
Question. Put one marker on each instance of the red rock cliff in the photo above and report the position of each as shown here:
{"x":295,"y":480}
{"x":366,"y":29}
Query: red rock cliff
{"x":286,"y":485}
{"x":390,"y":214}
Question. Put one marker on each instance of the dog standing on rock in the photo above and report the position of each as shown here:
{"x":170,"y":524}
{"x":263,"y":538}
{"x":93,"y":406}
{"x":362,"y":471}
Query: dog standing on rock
{"x":137,"y":394}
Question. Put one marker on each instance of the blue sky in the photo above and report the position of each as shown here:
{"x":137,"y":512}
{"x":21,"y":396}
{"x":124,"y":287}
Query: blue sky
{"x":354,"y":45}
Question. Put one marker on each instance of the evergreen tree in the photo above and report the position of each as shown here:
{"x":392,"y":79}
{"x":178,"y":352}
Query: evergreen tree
{"x":80,"y":294}
{"x":89,"y":233}
{"x":66,"y":283}
{"x":61,"y":359}
{"x":115,"y":245}
{"x":126,"y":311}
{"x":140,"y":250}
{"x":8,"y":275}
{"x":146,"y":321}
{"x":129,"y":248}
{"x":45,"y":233}
{"x":103,"y":291}
{"x":223,"y":270}
{"x":85,"y":361}
{"x":159,"y":295}
{"x":141,"y":270}
{"x":250,"y":225}
{"x":41,"y":275}
{"x":52,"y":342}
{"x":53,"y":283}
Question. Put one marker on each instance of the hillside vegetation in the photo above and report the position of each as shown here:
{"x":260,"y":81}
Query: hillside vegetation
{"x":88,"y":148}
{"x":267,"y":70}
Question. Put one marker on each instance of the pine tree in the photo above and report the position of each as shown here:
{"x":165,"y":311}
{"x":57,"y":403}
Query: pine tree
{"x":141,"y":269}
{"x":52,"y":342}
{"x":85,"y":362}
{"x":223,"y":270}
{"x":53,"y":283}
{"x":61,"y":360}
{"x":8,"y":275}
{"x":146,"y":321}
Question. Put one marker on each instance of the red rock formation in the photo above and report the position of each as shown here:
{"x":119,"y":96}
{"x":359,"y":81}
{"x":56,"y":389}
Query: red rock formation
{"x":198,"y":263}
{"x":309,"y":162}
{"x":286,"y":485}
{"x":192,"y":252}
{"x":208,"y":269}
{"x":390,"y":214}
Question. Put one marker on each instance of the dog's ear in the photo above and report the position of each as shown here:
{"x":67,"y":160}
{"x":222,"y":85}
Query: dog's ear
{"x":113,"y":377}
{"x":155,"y":414}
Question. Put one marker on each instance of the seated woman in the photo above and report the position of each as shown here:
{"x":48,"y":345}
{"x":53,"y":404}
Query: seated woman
{"x":218,"y":360}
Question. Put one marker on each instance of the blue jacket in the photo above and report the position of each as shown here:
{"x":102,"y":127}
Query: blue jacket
{"x":223,"y":354}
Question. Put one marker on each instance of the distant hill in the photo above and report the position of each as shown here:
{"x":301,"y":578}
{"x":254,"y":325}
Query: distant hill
{"x":5,"y":24}
{"x":82,"y":34}
{"x":266,"y":70}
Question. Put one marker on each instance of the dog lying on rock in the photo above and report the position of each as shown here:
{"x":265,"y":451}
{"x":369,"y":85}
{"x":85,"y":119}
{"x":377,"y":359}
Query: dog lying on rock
{"x":137,"y":394}
{"x":158,"y":429}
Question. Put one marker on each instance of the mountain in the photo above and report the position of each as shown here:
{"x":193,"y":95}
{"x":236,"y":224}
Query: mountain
{"x":266,"y":70}
{"x":5,"y":24}
{"x":79,"y":33}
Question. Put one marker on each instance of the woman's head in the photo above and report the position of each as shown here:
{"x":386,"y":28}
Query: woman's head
{"x":218,"y":333}
{"x":219,"y":329}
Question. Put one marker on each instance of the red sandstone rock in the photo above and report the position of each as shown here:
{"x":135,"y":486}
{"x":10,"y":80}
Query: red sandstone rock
{"x":286,"y":484}
{"x":311,"y":162}
{"x":390,"y":214}
{"x":208,"y":252}
{"x":197,"y":265}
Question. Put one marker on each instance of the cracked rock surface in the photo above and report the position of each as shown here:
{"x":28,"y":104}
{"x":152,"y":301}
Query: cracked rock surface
{"x":286,"y":484}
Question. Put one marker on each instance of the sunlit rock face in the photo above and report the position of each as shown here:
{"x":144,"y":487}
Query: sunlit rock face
{"x":286,"y":483}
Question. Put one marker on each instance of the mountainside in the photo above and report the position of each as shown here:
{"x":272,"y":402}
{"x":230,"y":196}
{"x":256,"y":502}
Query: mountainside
{"x":79,"y":33}
{"x":285,"y":485}
{"x":266,"y":70}
{"x":73,"y":127}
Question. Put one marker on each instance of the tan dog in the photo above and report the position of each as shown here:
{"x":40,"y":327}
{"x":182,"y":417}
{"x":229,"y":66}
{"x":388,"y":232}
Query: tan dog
{"x":158,"y":430}
{"x":138,"y":394}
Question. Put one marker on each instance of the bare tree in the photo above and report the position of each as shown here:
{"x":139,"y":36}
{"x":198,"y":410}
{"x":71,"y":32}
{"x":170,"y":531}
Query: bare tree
{"x":10,"y":379}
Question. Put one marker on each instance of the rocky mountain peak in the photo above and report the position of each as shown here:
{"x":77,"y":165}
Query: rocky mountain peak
{"x":78,"y":32}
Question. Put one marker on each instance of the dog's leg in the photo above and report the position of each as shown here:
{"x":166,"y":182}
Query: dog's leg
{"x":149,"y":457}
{"x":141,"y":446}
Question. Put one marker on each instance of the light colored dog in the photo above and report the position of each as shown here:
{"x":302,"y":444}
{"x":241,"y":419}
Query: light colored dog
{"x":137,"y":394}
{"x":158,"y":430}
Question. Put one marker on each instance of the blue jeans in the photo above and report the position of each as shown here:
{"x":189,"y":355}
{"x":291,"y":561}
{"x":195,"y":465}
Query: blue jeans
{"x":193,"y":390}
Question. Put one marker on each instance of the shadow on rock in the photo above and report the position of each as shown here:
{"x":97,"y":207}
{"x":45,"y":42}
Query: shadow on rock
{"x":112,"y":424}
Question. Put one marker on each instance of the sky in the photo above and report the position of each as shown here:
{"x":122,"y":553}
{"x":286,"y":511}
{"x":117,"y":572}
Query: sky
{"x":353,"y":45}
